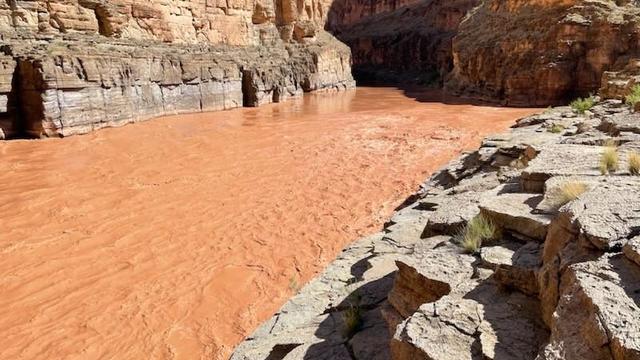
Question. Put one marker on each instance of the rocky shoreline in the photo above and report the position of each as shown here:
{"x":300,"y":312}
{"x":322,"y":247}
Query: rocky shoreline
{"x":561,"y":281}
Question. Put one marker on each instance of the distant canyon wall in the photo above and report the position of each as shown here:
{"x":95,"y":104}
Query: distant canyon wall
{"x":516,"y":52}
{"x":72,"y":66}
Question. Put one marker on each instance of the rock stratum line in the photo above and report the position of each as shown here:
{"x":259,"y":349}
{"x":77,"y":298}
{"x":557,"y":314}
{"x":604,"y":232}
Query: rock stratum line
{"x":70,"y":67}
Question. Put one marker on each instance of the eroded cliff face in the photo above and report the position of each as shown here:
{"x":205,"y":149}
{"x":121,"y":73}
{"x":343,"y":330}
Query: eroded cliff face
{"x":541,"y":52}
{"x":69,"y":67}
{"x":513,"y":52}
{"x":399,"y":40}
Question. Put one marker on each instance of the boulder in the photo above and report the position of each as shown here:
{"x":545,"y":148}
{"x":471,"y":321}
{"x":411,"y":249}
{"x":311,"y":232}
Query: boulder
{"x":515,"y":265}
{"x":598,"y":315}
{"x":427,"y":275}
{"x":483,"y":324}
{"x":560,"y":160}
{"x":632,"y":250}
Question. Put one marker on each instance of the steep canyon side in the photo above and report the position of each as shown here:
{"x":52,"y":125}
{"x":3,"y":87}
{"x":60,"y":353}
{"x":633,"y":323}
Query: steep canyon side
{"x":510,"y":51}
{"x":542,"y":52}
{"x":70,"y":67}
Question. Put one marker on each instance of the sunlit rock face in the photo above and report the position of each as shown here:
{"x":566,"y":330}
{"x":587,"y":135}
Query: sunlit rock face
{"x":73,"y":66}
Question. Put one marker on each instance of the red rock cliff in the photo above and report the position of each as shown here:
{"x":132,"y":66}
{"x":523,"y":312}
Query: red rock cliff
{"x":541,"y":52}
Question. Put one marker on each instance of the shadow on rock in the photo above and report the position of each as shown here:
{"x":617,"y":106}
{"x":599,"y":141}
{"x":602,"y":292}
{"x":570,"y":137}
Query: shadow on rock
{"x":355,"y":328}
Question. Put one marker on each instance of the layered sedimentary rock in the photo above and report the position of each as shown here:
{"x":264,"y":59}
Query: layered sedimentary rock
{"x":399,"y":40}
{"x":70,"y":67}
{"x":541,"y":52}
{"x":515,"y":52}
{"x":560,"y":280}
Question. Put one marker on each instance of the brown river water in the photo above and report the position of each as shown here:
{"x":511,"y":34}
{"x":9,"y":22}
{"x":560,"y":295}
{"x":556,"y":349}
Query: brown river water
{"x":174,"y":238}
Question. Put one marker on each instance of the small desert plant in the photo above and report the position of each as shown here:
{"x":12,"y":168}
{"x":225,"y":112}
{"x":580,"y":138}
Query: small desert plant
{"x":569,"y":191}
{"x":556,"y":128}
{"x":581,"y":105}
{"x":634,"y":163}
{"x":609,"y":158}
{"x":352,"y":316}
{"x":478,"y":230}
{"x":634,"y":96}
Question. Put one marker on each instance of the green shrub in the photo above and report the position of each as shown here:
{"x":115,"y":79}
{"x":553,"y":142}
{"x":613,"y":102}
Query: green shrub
{"x":634,"y":96}
{"x":477,"y":231}
{"x":581,"y":105}
{"x":634,"y":163}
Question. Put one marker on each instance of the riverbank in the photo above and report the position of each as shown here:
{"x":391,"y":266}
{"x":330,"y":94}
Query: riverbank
{"x":180,"y":235}
{"x":527,"y":248}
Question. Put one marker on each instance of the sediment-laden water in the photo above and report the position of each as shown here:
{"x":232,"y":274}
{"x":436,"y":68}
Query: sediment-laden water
{"x":177,"y":236}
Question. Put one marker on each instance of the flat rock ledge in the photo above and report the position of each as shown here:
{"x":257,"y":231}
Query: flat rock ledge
{"x":560,"y":280}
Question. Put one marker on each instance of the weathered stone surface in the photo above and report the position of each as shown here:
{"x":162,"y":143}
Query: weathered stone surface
{"x":609,"y":213}
{"x":554,"y":198}
{"x":540,"y":52}
{"x":598,"y":316}
{"x":617,"y":124}
{"x":450,"y":214}
{"x":403,"y":232}
{"x":70,"y":67}
{"x":515,"y":265}
{"x":485,"y":323}
{"x":560,"y":160}
{"x":632,"y":250}
{"x":427,"y":275}
{"x":618,"y":83}
{"x":514,"y":213}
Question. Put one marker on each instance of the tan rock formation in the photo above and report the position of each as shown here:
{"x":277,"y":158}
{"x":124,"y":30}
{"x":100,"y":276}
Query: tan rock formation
{"x":75,"y":66}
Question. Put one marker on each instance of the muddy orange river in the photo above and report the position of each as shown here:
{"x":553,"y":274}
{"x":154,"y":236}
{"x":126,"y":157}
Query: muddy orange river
{"x":174,"y":238}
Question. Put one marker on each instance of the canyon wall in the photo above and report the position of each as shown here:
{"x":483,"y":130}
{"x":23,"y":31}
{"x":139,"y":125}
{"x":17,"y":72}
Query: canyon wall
{"x":514,"y":52}
{"x":541,"y":52}
{"x":69,"y":67}
{"x":399,"y":40}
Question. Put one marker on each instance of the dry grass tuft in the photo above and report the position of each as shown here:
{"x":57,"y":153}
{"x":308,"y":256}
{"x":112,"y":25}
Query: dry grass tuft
{"x":352,"y":317}
{"x":477,"y":231}
{"x":634,"y":96}
{"x":609,"y":158}
{"x":569,"y":191}
{"x":634,"y":163}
